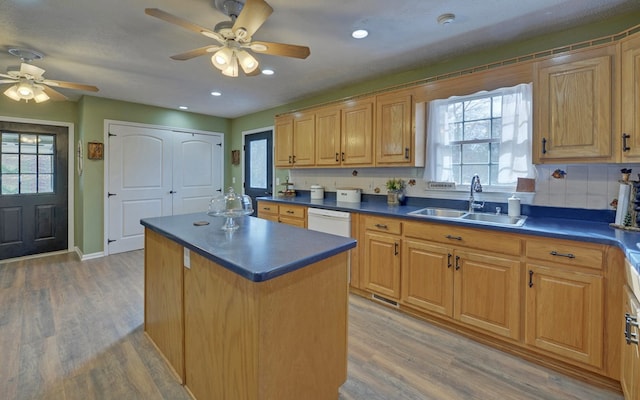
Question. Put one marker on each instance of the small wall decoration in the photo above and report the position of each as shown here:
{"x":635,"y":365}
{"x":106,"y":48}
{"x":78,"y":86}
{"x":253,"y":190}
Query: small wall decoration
{"x":95,"y":151}
{"x":235,"y":157}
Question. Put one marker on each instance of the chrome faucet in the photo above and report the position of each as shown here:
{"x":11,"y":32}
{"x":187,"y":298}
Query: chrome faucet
{"x":475,"y":187}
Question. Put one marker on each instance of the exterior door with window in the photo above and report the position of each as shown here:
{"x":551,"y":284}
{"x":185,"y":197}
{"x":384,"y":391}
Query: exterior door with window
{"x":258,"y":165}
{"x":34,"y":189}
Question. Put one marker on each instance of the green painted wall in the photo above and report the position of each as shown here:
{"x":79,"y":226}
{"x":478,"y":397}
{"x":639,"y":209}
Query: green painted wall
{"x":487,"y":56}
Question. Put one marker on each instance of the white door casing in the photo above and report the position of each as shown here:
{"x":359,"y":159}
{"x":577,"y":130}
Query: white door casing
{"x":156,"y":172}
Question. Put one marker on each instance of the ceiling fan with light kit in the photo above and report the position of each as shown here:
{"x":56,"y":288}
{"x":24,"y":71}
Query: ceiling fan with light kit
{"x":27,"y":83}
{"x":234,"y":37}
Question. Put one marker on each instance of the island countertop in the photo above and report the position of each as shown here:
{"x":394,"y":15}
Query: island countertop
{"x":258,"y":250}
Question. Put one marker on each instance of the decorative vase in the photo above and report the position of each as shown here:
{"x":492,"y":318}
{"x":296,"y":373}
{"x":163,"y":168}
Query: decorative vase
{"x":393,"y":197}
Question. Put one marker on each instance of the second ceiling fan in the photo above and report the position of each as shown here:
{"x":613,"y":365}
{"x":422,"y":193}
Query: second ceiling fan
{"x":234,"y":37}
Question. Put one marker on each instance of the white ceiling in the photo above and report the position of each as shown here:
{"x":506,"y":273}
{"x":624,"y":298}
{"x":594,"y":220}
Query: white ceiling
{"x":115,"y":46}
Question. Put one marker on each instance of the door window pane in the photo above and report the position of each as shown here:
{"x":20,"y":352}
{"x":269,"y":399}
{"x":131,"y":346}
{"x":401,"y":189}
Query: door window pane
{"x":258,"y":173}
{"x":27,"y":163}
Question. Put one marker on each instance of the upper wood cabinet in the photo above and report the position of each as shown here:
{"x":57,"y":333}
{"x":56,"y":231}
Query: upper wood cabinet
{"x":630,"y":104}
{"x":344,"y":134}
{"x":295,"y":140}
{"x":399,"y":130}
{"x":573,"y":107}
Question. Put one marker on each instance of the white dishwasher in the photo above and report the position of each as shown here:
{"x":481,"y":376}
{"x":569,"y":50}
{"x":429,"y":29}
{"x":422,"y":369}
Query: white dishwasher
{"x":329,"y":221}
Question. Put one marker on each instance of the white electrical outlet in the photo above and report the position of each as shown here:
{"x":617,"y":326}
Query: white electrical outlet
{"x":277,"y":181}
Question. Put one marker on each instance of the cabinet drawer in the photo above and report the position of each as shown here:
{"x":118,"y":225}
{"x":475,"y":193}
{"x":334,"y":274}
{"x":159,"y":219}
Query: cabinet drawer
{"x":383,"y":225}
{"x":267,"y":208}
{"x":292,"y":211}
{"x":498,"y":242}
{"x":566,"y":252}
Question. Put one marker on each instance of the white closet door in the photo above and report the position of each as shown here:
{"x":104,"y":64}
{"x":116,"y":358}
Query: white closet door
{"x":156,"y":172}
{"x":197,"y":171}
{"x":139,"y":183}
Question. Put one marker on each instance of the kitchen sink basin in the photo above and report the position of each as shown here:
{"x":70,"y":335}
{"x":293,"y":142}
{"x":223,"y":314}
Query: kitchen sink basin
{"x":461,"y":215}
{"x":439,"y":212}
{"x":495,"y":219}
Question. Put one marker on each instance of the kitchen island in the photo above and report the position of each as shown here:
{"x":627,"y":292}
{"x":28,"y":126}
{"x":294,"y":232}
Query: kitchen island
{"x":257,"y":313}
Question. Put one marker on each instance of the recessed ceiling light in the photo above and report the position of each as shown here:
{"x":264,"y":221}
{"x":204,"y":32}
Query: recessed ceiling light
{"x":446,"y":19}
{"x":183,"y":107}
{"x":268,"y":72}
{"x":216,"y":93}
{"x":359,"y":34}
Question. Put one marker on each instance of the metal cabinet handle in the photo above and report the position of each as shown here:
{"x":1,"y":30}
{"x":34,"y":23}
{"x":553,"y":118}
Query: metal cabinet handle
{"x":343,"y":156}
{"x":406,"y":153}
{"x":290,"y":160}
{"x":395,"y":249}
{"x":454,"y":237}
{"x":381,"y":226}
{"x":290,"y":212}
{"x":630,"y":321}
{"x":172,"y":192}
{"x":530,"y":278}
{"x":267,"y":208}
{"x":624,"y":142}
{"x":568,"y":255}
{"x":544,"y":146}
{"x":457,"y":263}
{"x":337,"y":159}
{"x":294,"y":159}
{"x":449,"y":265}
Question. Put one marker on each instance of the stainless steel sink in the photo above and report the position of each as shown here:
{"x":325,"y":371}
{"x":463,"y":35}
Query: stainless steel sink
{"x":495,"y":219}
{"x":439,"y":212}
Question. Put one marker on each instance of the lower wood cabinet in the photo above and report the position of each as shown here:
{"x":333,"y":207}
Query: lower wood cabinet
{"x":479,"y":290}
{"x":630,"y":363}
{"x":564,"y":313}
{"x":381,"y":259}
{"x":287,"y":214}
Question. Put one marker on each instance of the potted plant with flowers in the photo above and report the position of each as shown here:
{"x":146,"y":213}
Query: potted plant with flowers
{"x":395,"y":191}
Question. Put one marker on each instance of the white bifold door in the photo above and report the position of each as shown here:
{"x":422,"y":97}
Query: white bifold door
{"x":156,"y":172}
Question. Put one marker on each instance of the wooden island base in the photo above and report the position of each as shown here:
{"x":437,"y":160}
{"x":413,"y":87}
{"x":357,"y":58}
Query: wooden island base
{"x":232,"y":338}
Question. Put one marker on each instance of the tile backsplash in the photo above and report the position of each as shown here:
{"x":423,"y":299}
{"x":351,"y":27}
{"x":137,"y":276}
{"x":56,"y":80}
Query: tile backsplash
{"x":588,"y":186}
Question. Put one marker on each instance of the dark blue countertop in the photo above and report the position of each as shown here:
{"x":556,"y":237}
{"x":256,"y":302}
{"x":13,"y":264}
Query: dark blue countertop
{"x":586,"y":226}
{"x":258,"y":250}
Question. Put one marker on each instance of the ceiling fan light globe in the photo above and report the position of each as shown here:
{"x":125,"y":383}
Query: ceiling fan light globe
{"x":12,"y":93}
{"x":247,"y":62}
{"x":25,"y":90}
{"x":221,"y":59}
{"x":40,"y":94}
{"x":232,"y":69}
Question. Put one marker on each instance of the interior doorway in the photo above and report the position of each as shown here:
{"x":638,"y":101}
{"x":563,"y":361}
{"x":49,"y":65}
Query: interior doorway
{"x":258,"y":164}
{"x":34,"y":189}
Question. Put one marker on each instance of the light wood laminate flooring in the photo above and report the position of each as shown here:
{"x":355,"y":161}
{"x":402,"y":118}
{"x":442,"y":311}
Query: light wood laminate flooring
{"x":73,"y":330}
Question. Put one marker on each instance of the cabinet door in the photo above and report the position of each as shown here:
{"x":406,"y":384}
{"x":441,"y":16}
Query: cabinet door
{"x":327,"y":146}
{"x":631,"y":98}
{"x":573,"y":108}
{"x":393,"y":129}
{"x":487,"y":293}
{"x":284,"y":142}
{"x":630,"y":362}
{"x":304,"y":128}
{"x":357,"y":132}
{"x":382,"y":264}
{"x":564,"y":313}
{"x":427,"y":276}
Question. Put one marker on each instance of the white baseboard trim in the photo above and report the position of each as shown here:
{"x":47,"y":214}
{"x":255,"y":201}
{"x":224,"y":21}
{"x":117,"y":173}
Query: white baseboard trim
{"x":85,"y":257}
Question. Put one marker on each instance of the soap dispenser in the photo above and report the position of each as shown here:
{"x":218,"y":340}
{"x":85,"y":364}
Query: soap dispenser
{"x":514,"y":206}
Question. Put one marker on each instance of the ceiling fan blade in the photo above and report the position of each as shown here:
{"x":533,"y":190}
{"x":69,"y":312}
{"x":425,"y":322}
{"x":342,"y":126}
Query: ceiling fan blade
{"x":70,"y":85}
{"x":252,"y":16}
{"x":28,"y":69}
{"x":165,"y":16}
{"x":280,"y":49}
{"x":53,"y":94}
{"x":195,"y":53}
{"x":3,"y":81}
{"x":8,"y":76}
